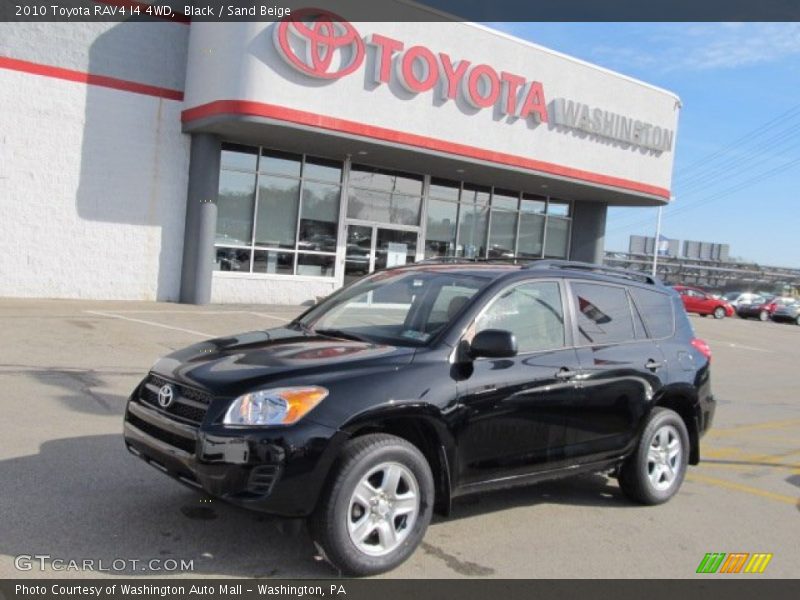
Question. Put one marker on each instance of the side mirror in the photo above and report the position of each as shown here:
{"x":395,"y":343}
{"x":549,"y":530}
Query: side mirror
{"x":493,"y":343}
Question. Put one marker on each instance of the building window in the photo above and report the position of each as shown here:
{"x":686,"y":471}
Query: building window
{"x":503,"y":224}
{"x":531,"y":226}
{"x":383,"y":196}
{"x":558,"y":230}
{"x":473,"y":221}
{"x":277,"y":213}
{"x":442,"y":217}
{"x":482,"y":222}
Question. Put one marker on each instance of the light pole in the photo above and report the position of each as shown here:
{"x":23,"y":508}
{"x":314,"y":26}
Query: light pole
{"x":656,"y":241}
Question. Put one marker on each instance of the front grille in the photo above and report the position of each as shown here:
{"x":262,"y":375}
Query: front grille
{"x":167,"y":437}
{"x":189,"y":404}
{"x":262,"y":479}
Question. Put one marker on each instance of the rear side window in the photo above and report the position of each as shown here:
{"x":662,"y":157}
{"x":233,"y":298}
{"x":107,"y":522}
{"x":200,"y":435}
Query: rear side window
{"x":603,"y":313}
{"x":656,"y":310}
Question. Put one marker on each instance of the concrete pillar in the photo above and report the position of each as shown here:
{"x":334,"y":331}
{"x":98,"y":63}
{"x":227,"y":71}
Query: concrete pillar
{"x":201,"y":219}
{"x":588,"y":231}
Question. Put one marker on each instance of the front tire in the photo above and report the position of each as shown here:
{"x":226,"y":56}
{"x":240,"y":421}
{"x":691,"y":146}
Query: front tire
{"x":377,"y":505}
{"x":654,"y":472}
{"x":763,"y":316}
{"x":719,"y":313}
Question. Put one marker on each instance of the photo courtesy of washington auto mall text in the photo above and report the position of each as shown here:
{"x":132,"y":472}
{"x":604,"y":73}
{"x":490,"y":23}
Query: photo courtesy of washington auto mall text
{"x":180,"y":590}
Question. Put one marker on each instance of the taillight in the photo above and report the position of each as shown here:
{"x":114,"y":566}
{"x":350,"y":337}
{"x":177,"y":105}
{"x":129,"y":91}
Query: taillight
{"x":703,"y":347}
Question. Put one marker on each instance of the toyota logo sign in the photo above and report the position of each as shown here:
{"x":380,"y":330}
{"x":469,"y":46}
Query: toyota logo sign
{"x":165,"y":396}
{"x":319,"y":43}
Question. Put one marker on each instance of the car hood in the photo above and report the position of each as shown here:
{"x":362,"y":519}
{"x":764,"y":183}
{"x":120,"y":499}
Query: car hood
{"x":229,"y":366}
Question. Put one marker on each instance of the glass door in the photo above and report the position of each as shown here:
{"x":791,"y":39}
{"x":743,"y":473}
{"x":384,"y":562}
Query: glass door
{"x":371,"y":247}
{"x":394,"y":247}
{"x":360,"y":252}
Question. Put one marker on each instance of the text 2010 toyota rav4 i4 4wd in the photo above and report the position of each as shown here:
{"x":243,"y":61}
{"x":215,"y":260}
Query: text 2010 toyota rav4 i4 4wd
{"x":419,"y":384}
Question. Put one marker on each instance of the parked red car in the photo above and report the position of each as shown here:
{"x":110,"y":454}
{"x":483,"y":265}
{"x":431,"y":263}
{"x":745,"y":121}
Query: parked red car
{"x":763,"y":307}
{"x":697,"y":301}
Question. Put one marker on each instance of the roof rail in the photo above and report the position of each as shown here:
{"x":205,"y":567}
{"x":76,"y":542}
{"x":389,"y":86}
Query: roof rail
{"x":582,"y":266}
{"x":547,"y":263}
{"x":441,"y":259}
{"x":514,"y":260}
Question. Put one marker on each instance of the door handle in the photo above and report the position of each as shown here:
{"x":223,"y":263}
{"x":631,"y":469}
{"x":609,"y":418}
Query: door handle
{"x":564,"y":374}
{"x":653,"y":364}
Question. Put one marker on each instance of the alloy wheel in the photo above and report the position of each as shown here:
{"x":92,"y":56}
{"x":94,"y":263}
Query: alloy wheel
{"x":383,"y":509}
{"x":664,"y":457}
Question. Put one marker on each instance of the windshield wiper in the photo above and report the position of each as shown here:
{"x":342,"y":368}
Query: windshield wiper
{"x":338,"y":333}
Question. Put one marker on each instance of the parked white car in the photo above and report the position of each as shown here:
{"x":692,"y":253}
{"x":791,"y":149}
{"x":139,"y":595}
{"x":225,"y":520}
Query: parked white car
{"x":737,"y":299}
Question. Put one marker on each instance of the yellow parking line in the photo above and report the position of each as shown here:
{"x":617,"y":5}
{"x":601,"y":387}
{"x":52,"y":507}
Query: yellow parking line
{"x":720,"y":452}
{"x":724,"y":483}
{"x":748,"y":467}
{"x":763,"y":436}
{"x":754,"y":427}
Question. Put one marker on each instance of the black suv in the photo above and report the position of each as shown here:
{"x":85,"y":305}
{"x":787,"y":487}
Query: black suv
{"x":422,"y":383}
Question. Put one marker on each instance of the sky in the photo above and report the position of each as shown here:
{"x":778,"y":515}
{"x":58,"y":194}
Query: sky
{"x":737,"y":157}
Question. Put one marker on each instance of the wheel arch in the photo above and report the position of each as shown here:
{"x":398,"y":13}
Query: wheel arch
{"x":421,"y":427}
{"x":684,"y":402}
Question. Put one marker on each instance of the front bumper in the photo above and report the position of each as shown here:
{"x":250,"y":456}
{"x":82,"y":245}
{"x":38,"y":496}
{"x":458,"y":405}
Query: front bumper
{"x":277,"y":470}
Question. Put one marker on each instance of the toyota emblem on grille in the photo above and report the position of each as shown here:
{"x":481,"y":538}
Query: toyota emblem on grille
{"x":165,"y":396}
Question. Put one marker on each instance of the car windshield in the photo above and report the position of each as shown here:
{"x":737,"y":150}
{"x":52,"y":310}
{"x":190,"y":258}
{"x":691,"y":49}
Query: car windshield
{"x":405,"y":308}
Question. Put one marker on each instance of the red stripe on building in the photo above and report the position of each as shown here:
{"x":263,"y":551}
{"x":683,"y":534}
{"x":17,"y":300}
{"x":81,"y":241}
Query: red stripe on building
{"x":270,"y":111}
{"x":124,"y":85}
{"x":176,"y":17}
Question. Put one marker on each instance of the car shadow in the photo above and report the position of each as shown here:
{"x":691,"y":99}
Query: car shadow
{"x":580,"y":490}
{"x":795,"y":480}
{"x":88,"y":498}
{"x":80,"y":388}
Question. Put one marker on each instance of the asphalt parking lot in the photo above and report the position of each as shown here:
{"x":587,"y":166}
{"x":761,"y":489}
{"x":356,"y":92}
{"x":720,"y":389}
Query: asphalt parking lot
{"x":70,"y":490}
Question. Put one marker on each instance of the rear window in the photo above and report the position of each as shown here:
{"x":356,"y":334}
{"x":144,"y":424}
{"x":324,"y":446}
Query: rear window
{"x":656,"y":310}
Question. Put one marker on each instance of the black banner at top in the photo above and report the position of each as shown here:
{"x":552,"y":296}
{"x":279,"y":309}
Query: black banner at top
{"x":185,"y":11}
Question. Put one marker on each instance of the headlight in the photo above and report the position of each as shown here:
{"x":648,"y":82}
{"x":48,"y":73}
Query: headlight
{"x":279,"y":406}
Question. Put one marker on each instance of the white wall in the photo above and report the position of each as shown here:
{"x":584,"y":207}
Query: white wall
{"x":92,"y":180}
{"x":92,"y":191}
{"x":244,"y":288}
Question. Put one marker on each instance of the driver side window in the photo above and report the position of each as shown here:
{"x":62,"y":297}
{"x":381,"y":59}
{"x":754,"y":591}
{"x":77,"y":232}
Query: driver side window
{"x":532,"y":312}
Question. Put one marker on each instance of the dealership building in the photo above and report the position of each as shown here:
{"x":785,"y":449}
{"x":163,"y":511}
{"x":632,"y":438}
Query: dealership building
{"x":274,"y":162}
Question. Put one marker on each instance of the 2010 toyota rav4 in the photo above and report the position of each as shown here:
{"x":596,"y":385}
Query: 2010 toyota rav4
{"x":423,"y":383}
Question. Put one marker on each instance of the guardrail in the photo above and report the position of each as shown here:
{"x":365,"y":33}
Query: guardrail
{"x":709,"y":273}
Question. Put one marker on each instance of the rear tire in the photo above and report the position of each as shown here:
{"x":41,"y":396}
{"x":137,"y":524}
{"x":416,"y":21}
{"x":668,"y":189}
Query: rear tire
{"x":654,"y":472}
{"x":763,"y":316}
{"x":797,"y":320}
{"x":376,"y":507}
{"x":719,"y":313}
